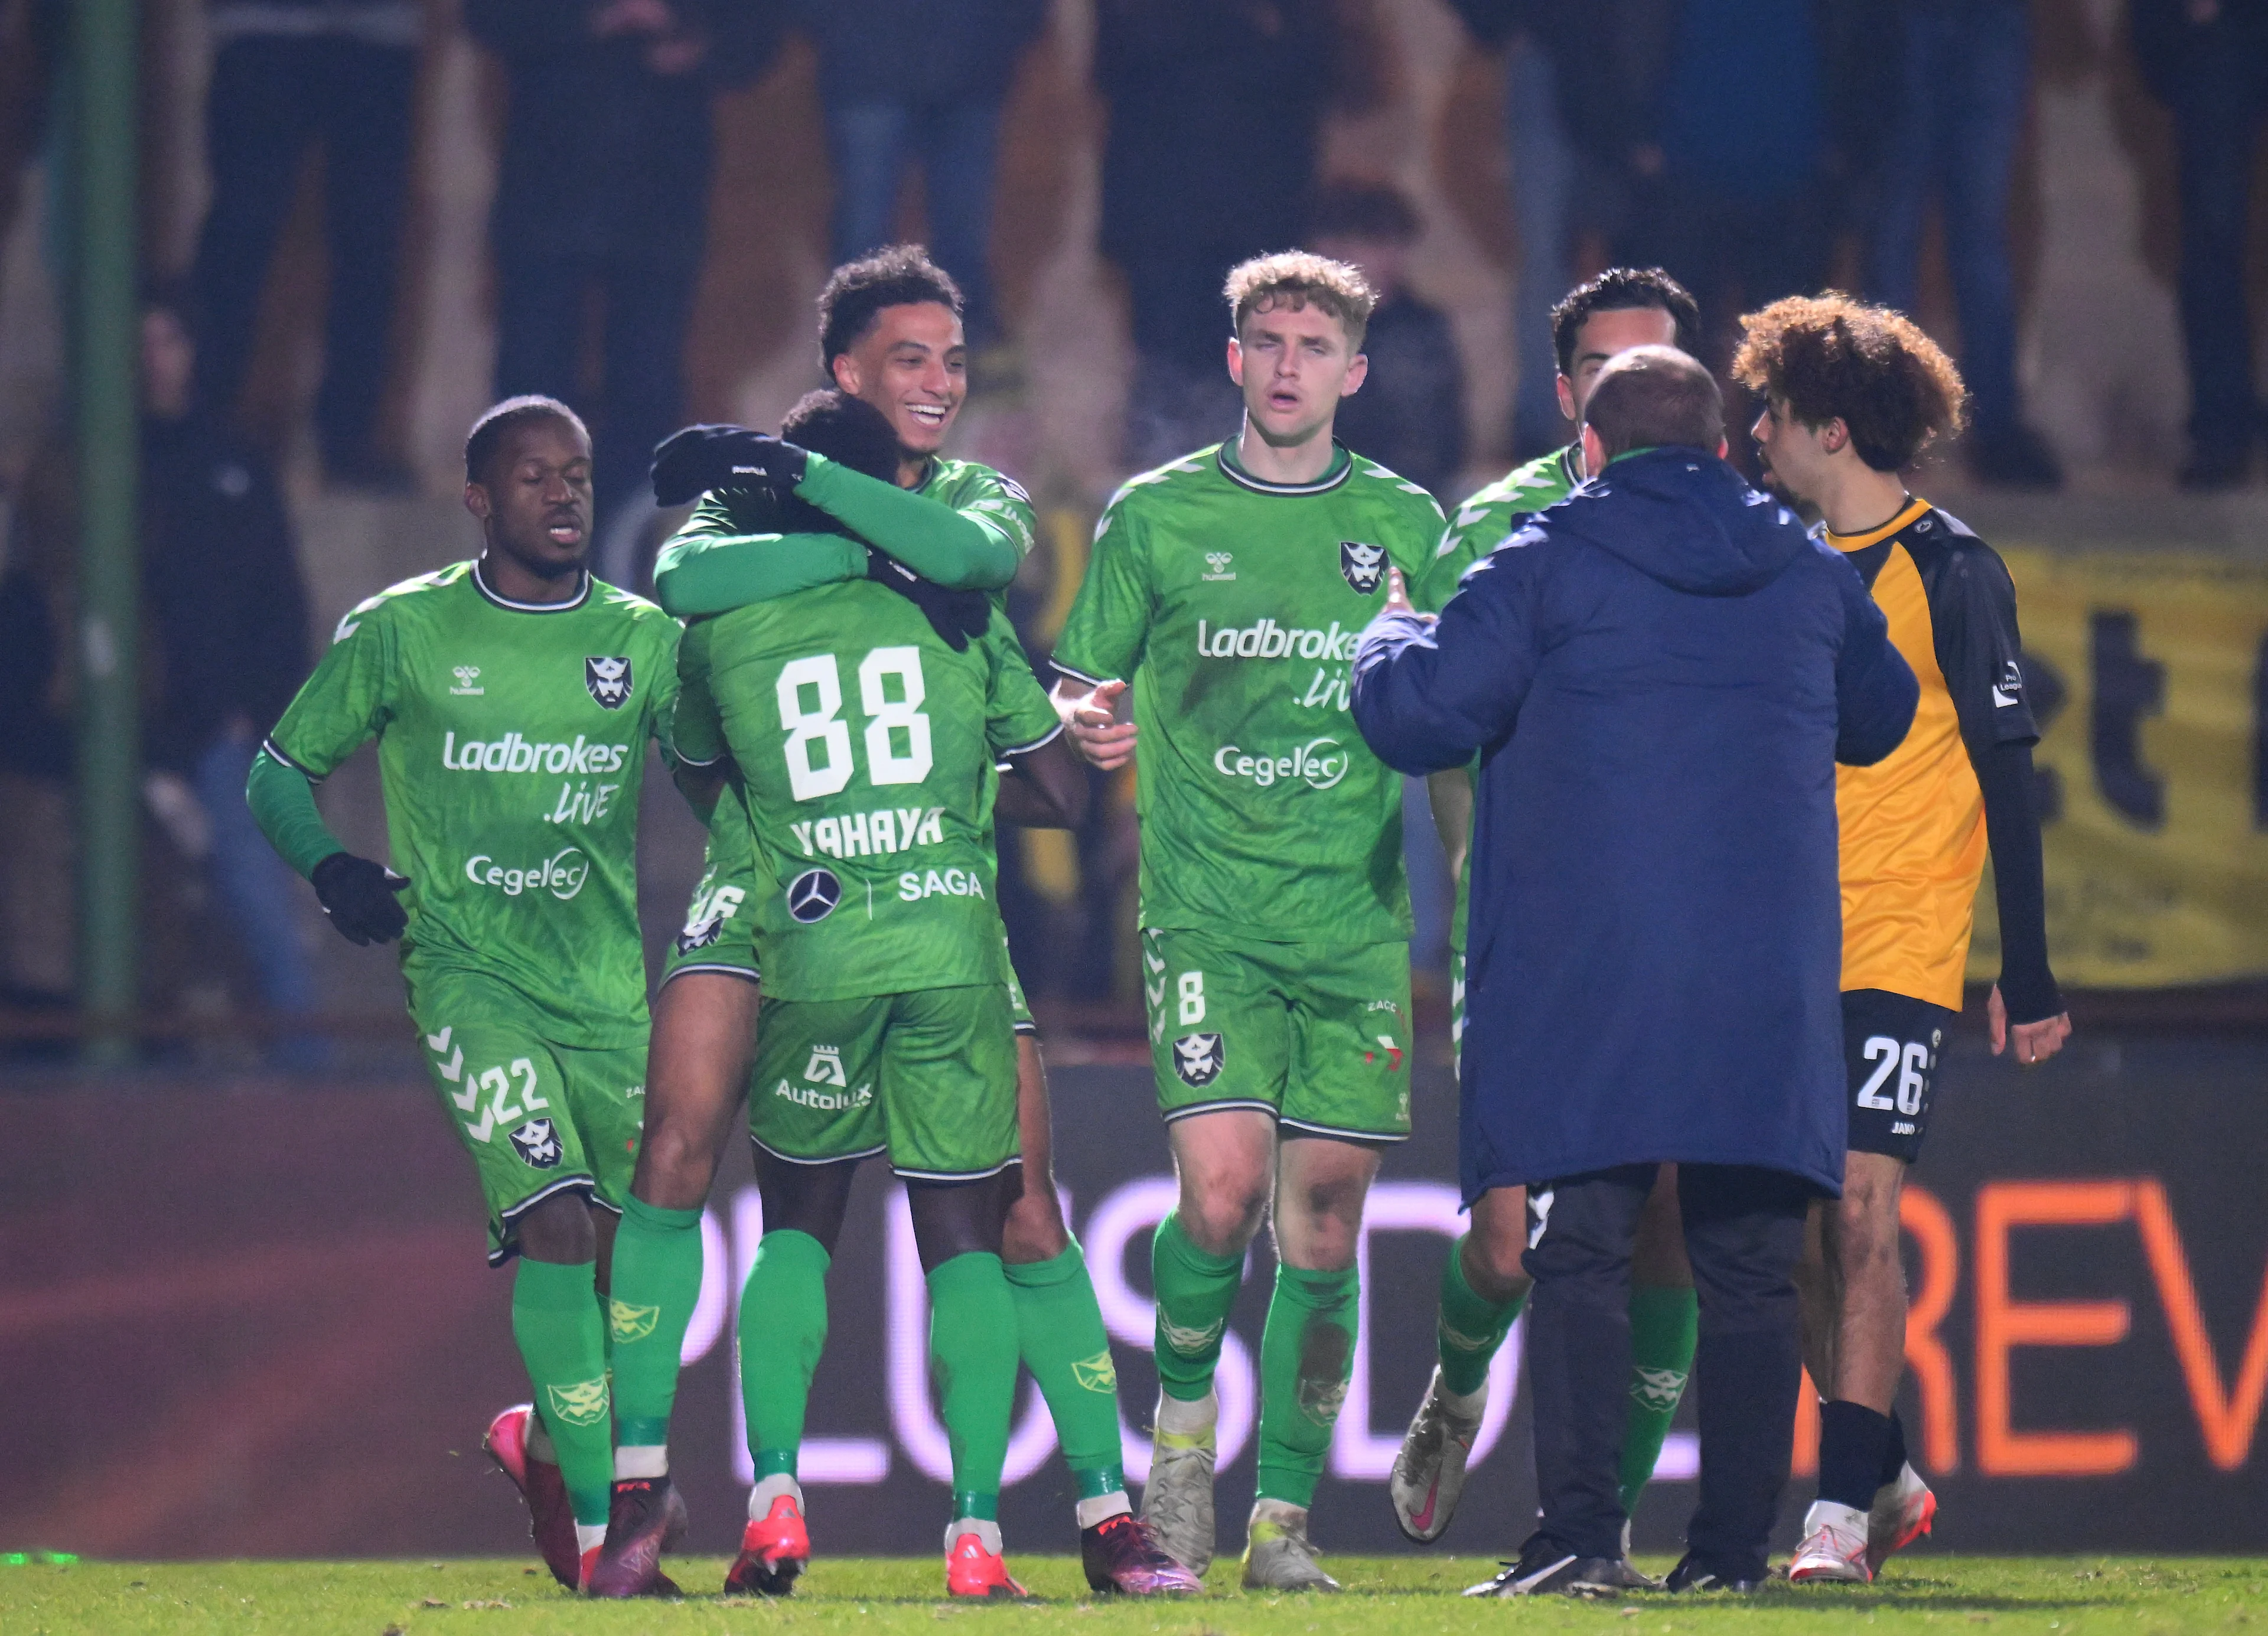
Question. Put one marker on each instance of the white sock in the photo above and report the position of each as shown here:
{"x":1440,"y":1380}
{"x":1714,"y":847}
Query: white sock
{"x":1186,"y":1416}
{"x":539,"y":1442}
{"x":1464,"y":1405}
{"x":1833,"y":1514}
{"x":761,"y":1497}
{"x":641,"y":1460}
{"x":989,"y":1532}
{"x":590,"y":1535}
{"x":1102,"y":1507}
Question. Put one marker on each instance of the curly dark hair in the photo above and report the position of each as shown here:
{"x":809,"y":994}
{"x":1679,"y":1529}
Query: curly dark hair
{"x":1827,"y":356}
{"x":1623,"y":290}
{"x":857,"y":292}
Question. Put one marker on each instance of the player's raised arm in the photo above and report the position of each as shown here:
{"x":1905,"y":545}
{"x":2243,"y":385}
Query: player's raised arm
{"x":1428,"y":694}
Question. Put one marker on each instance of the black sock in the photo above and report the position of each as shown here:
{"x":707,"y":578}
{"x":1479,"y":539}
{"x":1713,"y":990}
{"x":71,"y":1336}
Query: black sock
{"x":1895,"y":1456}
{"x":1853,"y":1441}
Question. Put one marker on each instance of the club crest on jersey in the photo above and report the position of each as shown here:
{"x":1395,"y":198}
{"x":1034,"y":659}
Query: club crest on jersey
{"x":608,"y":680}
{"x":1197,"y":1057}
{"x":1361,"y":566}
{"x":537,"y":1143}
{"x":811,"y":897}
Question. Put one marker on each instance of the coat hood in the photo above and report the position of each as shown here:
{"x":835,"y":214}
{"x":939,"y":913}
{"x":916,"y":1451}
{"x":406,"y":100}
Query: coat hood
{"x":1684,"y":517}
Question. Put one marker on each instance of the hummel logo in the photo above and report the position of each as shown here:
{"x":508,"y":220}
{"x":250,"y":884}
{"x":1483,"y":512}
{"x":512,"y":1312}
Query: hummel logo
{"x":466,"y":674}
{"x":1218,"y":562}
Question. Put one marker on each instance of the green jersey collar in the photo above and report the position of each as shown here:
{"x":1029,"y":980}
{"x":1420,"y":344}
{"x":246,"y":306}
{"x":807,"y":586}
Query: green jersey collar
{"x":581,"y":596}
{"x":1341,"y":468}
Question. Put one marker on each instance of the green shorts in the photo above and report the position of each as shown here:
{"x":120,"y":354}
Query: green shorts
{"x":538,"y":1117}
{"x":928,"y":1078}
{"x":1317,"y":1034}
{"x":719,"y":935}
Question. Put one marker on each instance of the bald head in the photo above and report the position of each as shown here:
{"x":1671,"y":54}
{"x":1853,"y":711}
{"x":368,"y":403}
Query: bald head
{"x":1650,"y":397}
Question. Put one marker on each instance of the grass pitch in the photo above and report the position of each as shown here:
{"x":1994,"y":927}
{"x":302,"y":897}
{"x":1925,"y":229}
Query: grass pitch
{"x":898,"y":1596}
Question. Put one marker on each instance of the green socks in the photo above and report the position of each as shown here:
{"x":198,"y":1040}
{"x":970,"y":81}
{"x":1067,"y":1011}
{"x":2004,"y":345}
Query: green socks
{"x":1307,"y":1356}
{"x":1059,"y":1331}
{"x":1472,"y":1328}
{"x":783,"y":1330}
{"x":1194,"y":1291}
{"x":555,"y":1318}
{"x":972,"y":1361}
{"x":1664,"y":1323}
{"x":657,"y":1280}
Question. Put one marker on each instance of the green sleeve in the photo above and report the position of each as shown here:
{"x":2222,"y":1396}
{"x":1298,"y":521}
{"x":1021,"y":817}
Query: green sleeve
{"x":348,"y":701}
{"x":697,"y":733}
{"x":961,"y":550}
{"x":1017,"y":714}
{"x":707,"y":567}
{"x":662,"y":708}
{"x":1104,"y":635}
{"x":282,"y":803}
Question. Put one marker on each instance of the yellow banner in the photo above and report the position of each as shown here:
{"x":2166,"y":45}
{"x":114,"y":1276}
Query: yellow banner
{"x":2146,"y":673}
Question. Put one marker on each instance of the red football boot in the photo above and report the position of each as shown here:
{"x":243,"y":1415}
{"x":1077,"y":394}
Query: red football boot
{"x":775,"y":1549}
{"x":550,"y":1519}
{"x":970,"y":1570}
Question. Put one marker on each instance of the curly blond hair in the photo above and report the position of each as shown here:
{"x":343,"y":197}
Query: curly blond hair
{"x":1832,"y":355}
{"x":1293,"y":278}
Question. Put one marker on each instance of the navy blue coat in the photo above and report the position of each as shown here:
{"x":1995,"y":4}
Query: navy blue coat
{"x":1659,"y":673}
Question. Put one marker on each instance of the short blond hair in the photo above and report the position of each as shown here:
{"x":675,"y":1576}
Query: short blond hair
{"x":1295,"y":278}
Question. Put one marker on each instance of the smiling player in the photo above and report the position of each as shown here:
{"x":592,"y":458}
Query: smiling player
{"x":512,"y":697}
{"x":1228,"y":587}
{"x":890,"y":335}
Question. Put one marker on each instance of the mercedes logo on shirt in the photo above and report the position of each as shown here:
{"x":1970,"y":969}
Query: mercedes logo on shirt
{"x":813,"y":894}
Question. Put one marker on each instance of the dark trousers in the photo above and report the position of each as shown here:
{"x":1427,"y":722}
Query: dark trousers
{"x":1744,"y":1232}
{"x":2218,"y":102}
{"x":1963,"y":87}
{"x":646,"y":299}
{"x":872,"y":144}
{"x":270,"y":99}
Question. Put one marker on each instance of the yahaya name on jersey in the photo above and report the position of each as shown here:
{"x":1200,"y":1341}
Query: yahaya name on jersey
{"x":1234,"y":605}
{"x":866,"y":749}
{"x":512,"y":744}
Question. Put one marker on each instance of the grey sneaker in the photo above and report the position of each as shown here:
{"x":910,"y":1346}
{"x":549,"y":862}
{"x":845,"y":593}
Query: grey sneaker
{"x":1429,"y":1473}
{"x":1177,"y":1501}
{"x":1279,"y":1556}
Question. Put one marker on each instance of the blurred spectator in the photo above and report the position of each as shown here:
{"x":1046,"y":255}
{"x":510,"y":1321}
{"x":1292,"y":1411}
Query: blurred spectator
{"x":1215,"y":109}
{"x":1410,"y":415}
{"x":1964,"y":71}
{"x":288,"y":74}
{"x":1735,"y":125}
{"x":2207,"y":61}
{"x":224,"y":645}
{"x":903,"y":79}
{"x":603,"y":193}
{"x":1550,"y":181}
{"x":225,"y":616}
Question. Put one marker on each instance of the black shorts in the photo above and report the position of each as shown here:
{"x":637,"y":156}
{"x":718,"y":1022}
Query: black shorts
{"x":1892,"y":1044}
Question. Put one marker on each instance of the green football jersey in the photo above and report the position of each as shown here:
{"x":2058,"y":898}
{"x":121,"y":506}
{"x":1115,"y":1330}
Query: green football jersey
{"x":867,"y":751}
{"x":1490,"y":517}
{"x":1234,"y":606}
{"x":992,"y":498}
{"x":1486,"y":520}
{"x":511,"y":745}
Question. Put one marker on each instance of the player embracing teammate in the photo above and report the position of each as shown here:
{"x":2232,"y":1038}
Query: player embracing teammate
{"x":855,"y":713}
{"x":1228,"y":589}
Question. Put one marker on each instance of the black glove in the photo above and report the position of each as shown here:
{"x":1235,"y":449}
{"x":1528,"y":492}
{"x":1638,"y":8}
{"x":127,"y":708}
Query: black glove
{"x":358,"y":896}
{"x":689,"y":464}
{"x":955,"y":616}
